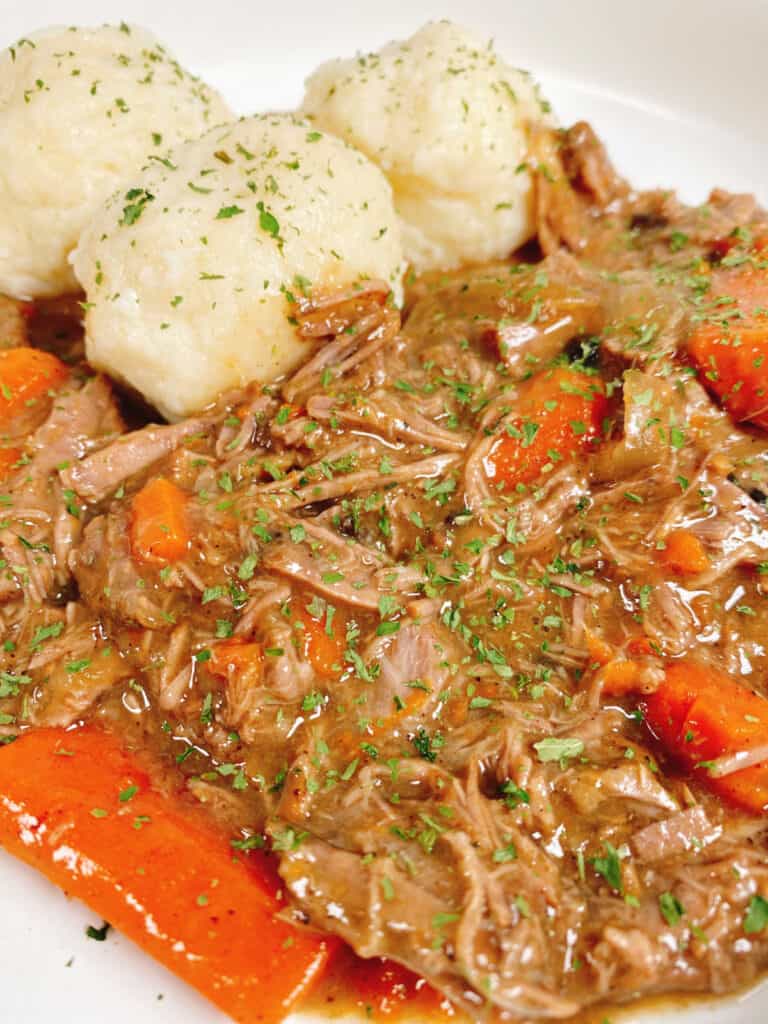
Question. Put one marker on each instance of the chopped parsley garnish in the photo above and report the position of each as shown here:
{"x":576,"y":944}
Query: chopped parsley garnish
{"x":248,"y":567}
{"x":671,"y":908}
{"x":43,"y":633}
{"x":514,"y":795}
{"x":609,"y":867}
{"x":267,"y":221}
{"x":138,"y":198}
{"x":555,"y":748}
{"x":98,"y":934}
{"x":426,"y":745}
{"x":226,"y":212}
{"x":78,"y":666}
{"x":756,"y":918}
{"x":288,"y":840}
{"x":505,"y":854}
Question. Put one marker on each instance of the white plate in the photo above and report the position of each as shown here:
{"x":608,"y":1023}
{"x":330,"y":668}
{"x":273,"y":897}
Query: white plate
{"x":676,"y":88}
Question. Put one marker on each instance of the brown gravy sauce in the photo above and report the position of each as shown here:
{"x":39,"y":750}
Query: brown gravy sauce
{"x":381,"y":990}
{"x":376,"y":989}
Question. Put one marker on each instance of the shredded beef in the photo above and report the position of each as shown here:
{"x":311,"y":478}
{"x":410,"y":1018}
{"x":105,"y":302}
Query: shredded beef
{"x":422,"y":727}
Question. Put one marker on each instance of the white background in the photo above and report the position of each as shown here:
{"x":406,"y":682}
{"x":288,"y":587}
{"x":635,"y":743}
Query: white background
{"x":678,"y":88}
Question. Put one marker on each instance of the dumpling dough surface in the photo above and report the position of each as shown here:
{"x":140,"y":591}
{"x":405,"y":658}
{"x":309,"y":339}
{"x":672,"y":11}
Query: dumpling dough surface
{"x":448,"y":122}
{"x":188,"y":269}
{"x":80,"y":108}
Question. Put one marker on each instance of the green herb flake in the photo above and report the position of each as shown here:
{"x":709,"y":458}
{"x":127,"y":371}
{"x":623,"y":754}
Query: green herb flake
{"x":78,"y":666}
{"x":514,"y":795}
{"x":43,"y":633}
{"x":226,"y":212}
{"x":558,"y":748}
{"x":609,"y":867}
{"x":505,"y":854}
{"x":248,"y":567}
{"x":756,"y":918}
{"x":138,"y":198}
{"x":267,"y":221}
{"x":426,"y":745}
{"x":671,"y":908}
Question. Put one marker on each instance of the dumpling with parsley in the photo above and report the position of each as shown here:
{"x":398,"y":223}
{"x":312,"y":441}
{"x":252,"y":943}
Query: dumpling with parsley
{"x":189,"y":268}
{"x":448,"y":121}
{"x":80,"y":108}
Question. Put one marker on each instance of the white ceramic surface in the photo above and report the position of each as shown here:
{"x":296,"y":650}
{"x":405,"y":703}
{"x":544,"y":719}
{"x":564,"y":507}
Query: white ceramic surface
{"x":676,"y":87}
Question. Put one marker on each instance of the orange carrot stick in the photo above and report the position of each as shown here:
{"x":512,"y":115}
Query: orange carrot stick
{"x":159,"y":529}
{"x":684,"y":553}
{"x":324,"y":639}
{"x":700,"y":715}
{"x":80,"y":809}
{"x":561,"y":414}
{"x":26,"y":375}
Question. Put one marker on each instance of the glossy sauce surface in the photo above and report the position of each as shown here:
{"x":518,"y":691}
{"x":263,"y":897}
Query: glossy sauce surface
{"x":378,"y":989}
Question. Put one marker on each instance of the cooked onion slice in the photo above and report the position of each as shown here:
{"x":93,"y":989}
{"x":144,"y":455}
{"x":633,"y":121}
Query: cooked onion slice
{"x":736,"y":762}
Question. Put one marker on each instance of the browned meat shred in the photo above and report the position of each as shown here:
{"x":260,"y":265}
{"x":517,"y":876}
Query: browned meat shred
{"x":13,"y":331}
{"x":441,"y":774}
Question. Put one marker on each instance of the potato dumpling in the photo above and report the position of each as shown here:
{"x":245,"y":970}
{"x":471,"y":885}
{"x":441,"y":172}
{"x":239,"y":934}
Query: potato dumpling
{"x":80,"y":108}
{"x":448,"y":121}
{"x":189,"y":268}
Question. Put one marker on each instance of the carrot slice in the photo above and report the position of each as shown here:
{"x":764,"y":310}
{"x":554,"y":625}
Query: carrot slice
{"x":324,"y":638}
{"x":8,"y":459}
{"x":684,"y":553}
{"x":734,"y":366}
{"x":732,"y":355}
{"x":561,"y":415}
{"x":639,"y":646}
{"x":26,"y":375}
{"x":600,"y":651}
{"x":159,"y":529}
{"x":620,"y":677}
{"x":80,"y":809}
{"x":699,"y":715}
{"x":237,"y":655}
